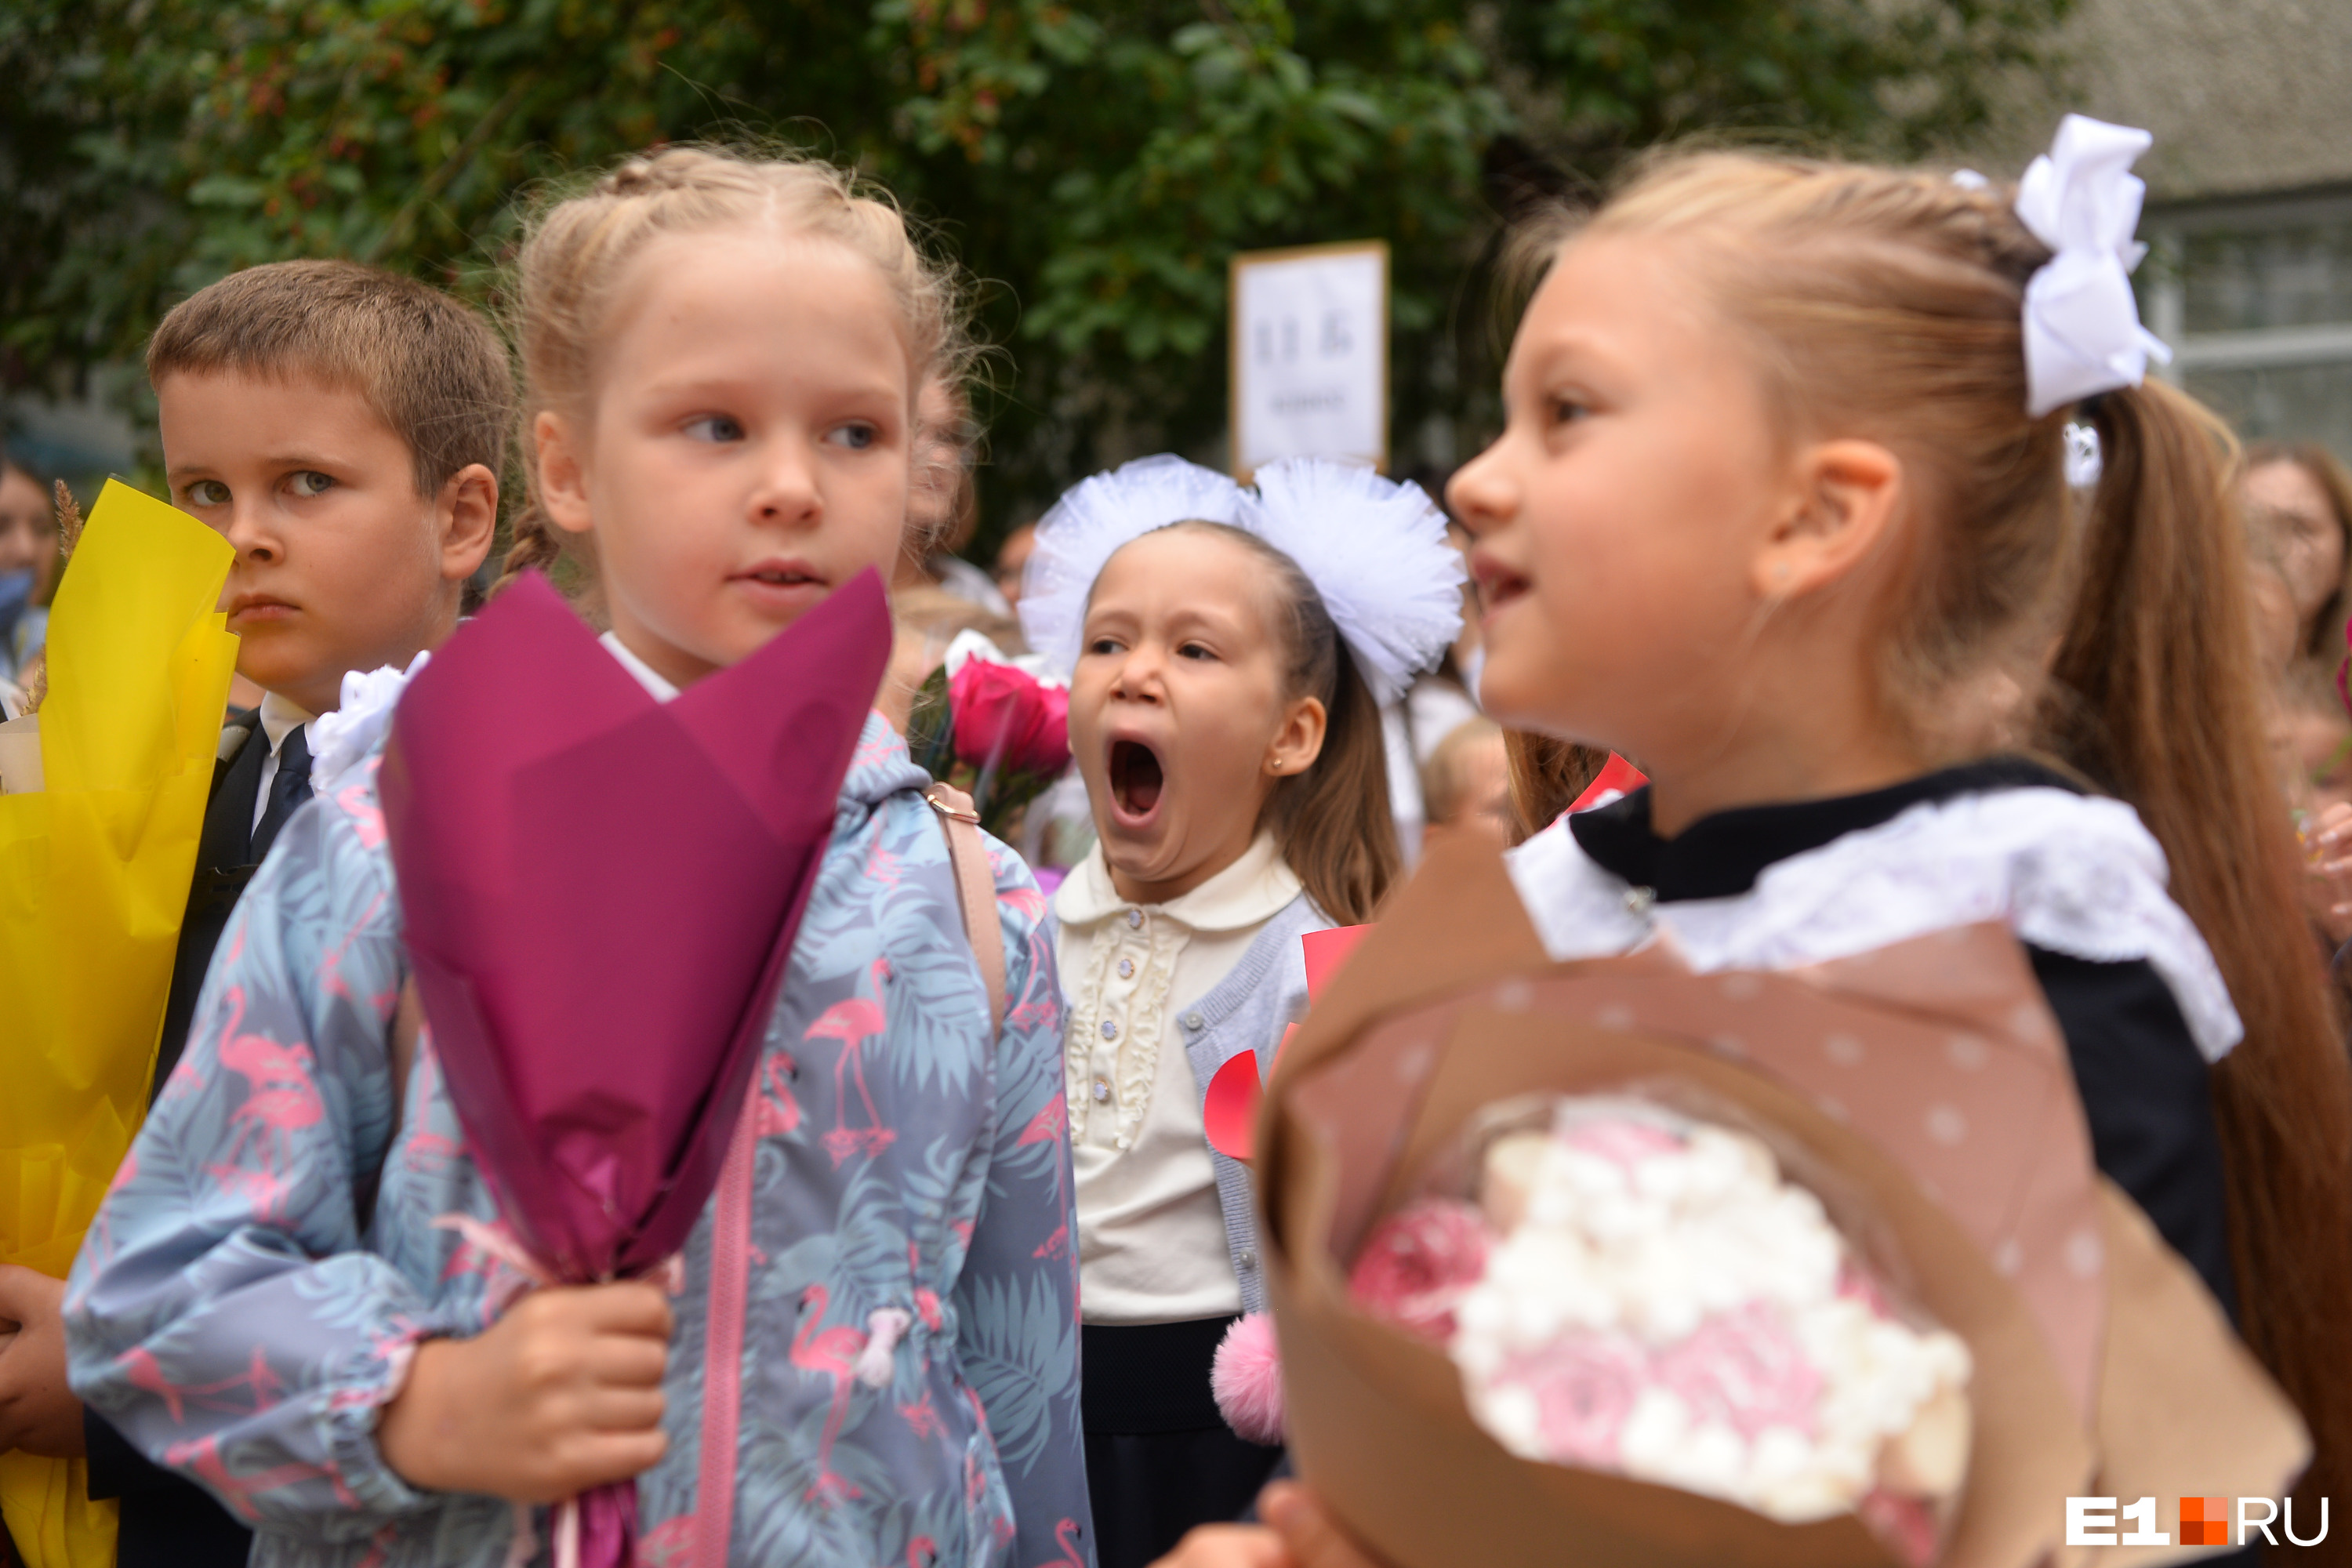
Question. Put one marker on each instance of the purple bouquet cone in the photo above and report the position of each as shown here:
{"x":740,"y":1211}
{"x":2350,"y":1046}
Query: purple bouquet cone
{"x":600,"y":892}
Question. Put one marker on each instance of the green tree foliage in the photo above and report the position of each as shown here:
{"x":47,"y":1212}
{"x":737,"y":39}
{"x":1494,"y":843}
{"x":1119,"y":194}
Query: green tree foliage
{"x":1095,"y":165}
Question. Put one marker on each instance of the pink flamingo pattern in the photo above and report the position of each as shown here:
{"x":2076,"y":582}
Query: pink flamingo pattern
{"x":1065,"y":1536}
{"x":852,"y":1021}
{"x":830,"y":1354}
{"x":283,"y":1101}
{"x":293,"y":1246}
{"x":668,"y":1543}
{"x":780,"y":1113}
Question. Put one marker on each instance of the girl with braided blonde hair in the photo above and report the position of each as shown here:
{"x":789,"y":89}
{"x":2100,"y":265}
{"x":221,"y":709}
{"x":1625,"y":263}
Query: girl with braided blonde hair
{"x":868,"y":1352}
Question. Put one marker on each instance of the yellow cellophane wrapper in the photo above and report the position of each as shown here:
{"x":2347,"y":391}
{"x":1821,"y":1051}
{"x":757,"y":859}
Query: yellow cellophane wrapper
{"x":94,"y":873}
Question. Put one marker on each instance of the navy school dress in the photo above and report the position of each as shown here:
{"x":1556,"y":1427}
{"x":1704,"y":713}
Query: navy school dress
{"x":2077,"y":873}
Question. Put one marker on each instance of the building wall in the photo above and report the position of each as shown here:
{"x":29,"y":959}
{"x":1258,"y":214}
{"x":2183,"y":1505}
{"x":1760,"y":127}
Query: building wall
{"x":2249,"y":191}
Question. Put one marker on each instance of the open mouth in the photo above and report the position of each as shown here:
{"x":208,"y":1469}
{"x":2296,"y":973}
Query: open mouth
{"x":1501,"y":588}
{"x":1135,"y":779}
{"x":1497,"y":584}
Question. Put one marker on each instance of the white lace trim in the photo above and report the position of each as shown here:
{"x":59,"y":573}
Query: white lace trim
{"x":2070,"y":873}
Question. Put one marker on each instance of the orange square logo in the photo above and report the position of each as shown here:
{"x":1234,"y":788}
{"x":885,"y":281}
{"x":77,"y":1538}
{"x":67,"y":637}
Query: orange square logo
{"x":2204,"y":1521}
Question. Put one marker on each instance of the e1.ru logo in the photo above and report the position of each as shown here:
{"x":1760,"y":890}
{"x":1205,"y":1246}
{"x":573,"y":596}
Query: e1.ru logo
{"x":2203,"y":1522}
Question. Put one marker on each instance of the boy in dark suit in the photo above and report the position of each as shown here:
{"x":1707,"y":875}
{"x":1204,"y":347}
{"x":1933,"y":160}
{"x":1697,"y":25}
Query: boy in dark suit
{"x":344,"y":428}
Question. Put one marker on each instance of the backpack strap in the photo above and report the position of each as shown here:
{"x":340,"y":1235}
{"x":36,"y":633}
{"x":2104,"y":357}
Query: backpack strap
{"x":976,"y":887}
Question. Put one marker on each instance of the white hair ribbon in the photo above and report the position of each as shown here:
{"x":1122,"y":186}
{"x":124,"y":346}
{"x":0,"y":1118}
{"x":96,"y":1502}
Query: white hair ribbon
{"x":1374,"y":549}
{"x":1086,"y":527}
{"x":2083,"y":333}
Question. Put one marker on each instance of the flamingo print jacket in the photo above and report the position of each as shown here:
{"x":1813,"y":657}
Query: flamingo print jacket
{"x":906,"y":1388}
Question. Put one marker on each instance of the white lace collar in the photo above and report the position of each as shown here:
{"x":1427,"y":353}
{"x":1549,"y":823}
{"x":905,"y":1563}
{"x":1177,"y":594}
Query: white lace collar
{"x":2070,"y":873}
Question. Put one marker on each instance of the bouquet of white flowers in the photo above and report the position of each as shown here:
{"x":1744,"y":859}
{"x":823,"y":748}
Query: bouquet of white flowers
{"x":1620,"y":1264}
{"x":1630,"y":1288}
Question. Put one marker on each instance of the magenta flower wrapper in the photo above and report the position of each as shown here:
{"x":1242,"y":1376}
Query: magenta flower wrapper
{"x":600,"y":894}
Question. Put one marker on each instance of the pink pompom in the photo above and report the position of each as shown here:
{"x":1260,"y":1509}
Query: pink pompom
{"x":1246,"y":1378}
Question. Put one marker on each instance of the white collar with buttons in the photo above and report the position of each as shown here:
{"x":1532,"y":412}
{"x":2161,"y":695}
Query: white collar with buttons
{"x":1119,"y":1000}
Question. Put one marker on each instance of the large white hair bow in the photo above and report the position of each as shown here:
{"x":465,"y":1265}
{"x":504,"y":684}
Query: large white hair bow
{"x":2083,"y":333}
{"x":1087,"y":526}
{"x":1374,"y":549}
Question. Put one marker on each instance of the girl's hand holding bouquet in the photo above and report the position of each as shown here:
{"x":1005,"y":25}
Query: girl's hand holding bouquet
{"x":559,"y":1395}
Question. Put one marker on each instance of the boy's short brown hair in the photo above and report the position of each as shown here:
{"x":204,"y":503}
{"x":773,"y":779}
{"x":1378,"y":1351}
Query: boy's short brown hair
{"x":433,"y":370}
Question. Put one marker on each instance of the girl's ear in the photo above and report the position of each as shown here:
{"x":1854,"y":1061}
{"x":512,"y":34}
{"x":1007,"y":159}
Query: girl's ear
{"x":1842,"y":509}
{"x":562,"y":478}
{"x":1299,"y":740}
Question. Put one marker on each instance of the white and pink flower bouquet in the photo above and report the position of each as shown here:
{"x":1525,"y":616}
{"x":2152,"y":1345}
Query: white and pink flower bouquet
{"x":1618,"y":1263}
{"x":1637,"y":1291}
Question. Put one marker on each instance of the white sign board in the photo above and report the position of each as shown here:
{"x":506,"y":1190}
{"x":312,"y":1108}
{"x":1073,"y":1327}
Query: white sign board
{"x":1311,"y":355}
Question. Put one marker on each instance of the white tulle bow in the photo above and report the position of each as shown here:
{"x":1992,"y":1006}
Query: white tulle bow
{"x":1374,"y":549}
{"x":2083,"y":333}
{"x":1086,"y":527}
{"x":341,"y":741}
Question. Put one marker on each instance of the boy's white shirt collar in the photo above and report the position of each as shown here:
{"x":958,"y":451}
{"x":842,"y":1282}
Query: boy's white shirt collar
{"x":1248,"y":892}
{"x":652,"y":680}
{"x":280,"y":718}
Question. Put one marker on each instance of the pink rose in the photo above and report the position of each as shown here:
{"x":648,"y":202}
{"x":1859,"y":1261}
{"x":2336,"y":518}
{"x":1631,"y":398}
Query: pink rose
{"x":1584,"y":1386}
{"x":1418,"y":1262}
{"x":1008,"y":720}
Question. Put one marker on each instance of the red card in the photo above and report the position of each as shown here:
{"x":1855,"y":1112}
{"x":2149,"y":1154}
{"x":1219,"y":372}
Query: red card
{"x":1617,"y":776}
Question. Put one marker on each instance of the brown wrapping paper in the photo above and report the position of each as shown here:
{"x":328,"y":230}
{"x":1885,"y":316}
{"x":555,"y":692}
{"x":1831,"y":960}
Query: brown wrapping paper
{"x":1928,"y":1080}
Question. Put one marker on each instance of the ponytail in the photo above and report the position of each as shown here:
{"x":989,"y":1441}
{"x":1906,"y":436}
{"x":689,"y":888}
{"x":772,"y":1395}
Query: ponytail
{"x":1890,"y":304}
{"x":1333,"y":820}
{"x":2156,"y":698}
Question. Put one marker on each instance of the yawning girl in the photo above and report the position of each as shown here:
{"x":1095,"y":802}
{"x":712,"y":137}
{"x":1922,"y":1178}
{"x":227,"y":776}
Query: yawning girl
{"x":1230,"y":651}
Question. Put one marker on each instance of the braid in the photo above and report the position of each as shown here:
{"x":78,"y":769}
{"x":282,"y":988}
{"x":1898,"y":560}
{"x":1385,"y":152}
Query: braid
{"x":536,"y":548}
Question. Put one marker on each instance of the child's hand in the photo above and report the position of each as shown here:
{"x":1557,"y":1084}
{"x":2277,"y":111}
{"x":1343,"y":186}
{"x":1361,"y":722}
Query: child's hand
{"x":1314,"y":1538}
{"x":1303,"y":1536}
{"x":560,"y":1395}
{"x":39,"y":1414}
{"x":1228,"y":1546}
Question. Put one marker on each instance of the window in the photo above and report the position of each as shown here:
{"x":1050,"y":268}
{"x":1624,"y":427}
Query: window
{"x":2255,"y":298}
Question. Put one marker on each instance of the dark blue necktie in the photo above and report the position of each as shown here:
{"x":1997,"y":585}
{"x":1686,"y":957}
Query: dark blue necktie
{"x":288,"y":788}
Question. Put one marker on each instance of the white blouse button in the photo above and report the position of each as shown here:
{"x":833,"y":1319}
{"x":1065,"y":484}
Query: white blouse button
{"x":1135,"y":919}
{"x":1102,"y":1093}
{"x":1127,"y":969}
{"x":1111,"y":1028}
